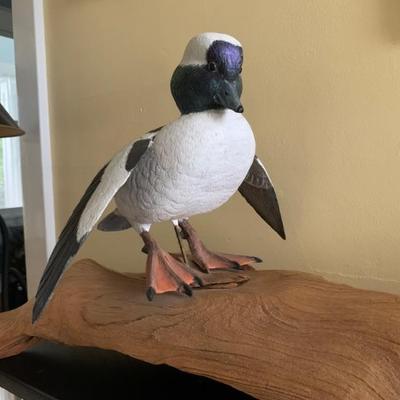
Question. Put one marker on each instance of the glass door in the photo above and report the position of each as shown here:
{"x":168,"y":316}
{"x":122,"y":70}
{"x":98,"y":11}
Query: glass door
{"x":12,"y":250}
{"x":10,"y":163}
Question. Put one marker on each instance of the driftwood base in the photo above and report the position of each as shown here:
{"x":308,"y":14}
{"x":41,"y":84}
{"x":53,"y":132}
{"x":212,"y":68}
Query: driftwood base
{"x":282,"y":335}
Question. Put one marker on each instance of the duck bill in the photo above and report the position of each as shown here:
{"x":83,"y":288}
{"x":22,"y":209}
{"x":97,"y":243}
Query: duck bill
{"x":228,"y":97}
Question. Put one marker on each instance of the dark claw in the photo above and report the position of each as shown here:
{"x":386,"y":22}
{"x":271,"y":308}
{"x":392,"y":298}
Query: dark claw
{"x":237,"y":266}
{"x":203,"y":269}
{"x":145,"y":250}
{"x":199,"y":281}
{"x":187,"y":289}
{"x":150,"y":293}
{"x":257,"y":259}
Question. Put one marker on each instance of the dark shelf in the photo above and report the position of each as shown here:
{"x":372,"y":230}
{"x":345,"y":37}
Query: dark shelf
{"x":53,"y":371}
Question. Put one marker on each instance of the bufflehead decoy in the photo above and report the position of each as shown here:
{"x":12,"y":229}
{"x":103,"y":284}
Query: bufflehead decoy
{"x":190,"y":166}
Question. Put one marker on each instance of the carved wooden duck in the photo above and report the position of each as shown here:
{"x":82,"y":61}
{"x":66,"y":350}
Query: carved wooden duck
{"x":190,"y":166}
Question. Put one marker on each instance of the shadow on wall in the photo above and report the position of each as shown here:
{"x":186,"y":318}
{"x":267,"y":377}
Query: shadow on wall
{"x":390,"y":10}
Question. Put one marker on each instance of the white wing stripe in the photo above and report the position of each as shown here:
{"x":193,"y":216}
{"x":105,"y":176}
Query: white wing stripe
{"x":114,"y":172}
{"x":265,"y":169}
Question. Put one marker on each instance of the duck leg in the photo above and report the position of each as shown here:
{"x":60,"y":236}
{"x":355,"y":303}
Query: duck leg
{"x":208,"y":260}
{"x":179,"y":237}
{"x":164,"y":273}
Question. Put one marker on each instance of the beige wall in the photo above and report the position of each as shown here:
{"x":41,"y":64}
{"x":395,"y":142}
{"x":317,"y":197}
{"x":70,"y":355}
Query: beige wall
{"x":322,"y":93}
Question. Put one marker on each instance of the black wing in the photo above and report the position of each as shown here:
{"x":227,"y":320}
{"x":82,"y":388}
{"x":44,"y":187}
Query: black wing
{"x":85,"y":215}
{"x":259,"y":192}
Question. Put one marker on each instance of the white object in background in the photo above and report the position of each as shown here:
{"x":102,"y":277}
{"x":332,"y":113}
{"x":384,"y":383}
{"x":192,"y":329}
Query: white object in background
{"x":37,"y":177}
{"x":4,"y":395}
{"x":12,"y":173}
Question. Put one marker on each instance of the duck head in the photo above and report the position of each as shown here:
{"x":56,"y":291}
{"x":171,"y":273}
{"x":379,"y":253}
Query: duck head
{"x":208,"y":77}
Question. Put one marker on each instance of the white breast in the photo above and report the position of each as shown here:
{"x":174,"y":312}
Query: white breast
{"x":195,"y":165}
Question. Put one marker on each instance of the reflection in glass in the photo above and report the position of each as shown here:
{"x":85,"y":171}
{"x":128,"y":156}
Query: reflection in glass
{"x":10,"y":168}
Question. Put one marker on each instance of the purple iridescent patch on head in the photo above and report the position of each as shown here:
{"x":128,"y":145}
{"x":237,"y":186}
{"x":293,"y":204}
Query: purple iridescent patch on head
{"x":227,"y":56}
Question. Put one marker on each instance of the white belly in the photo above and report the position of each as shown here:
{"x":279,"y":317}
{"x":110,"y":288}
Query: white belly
{"x":195,"y":165}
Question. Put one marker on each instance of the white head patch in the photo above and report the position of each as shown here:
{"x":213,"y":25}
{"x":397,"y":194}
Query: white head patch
{"x":196,"y":50}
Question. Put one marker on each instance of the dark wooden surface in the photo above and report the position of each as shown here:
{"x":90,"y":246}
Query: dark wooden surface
{"x":52,"y":371}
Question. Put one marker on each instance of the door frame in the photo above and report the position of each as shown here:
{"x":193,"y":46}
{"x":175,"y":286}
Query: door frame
{"x":36,"y":158}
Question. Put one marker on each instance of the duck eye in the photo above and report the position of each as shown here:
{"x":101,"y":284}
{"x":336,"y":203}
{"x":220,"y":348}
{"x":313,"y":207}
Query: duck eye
{"x":212,"y":66}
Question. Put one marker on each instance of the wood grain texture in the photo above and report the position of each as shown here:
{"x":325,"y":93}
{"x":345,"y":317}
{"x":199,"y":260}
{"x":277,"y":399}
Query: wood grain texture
{"x":281,"y":335}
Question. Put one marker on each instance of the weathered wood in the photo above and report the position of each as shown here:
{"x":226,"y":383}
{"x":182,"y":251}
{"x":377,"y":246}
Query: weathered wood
{"x":282,"y":335}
